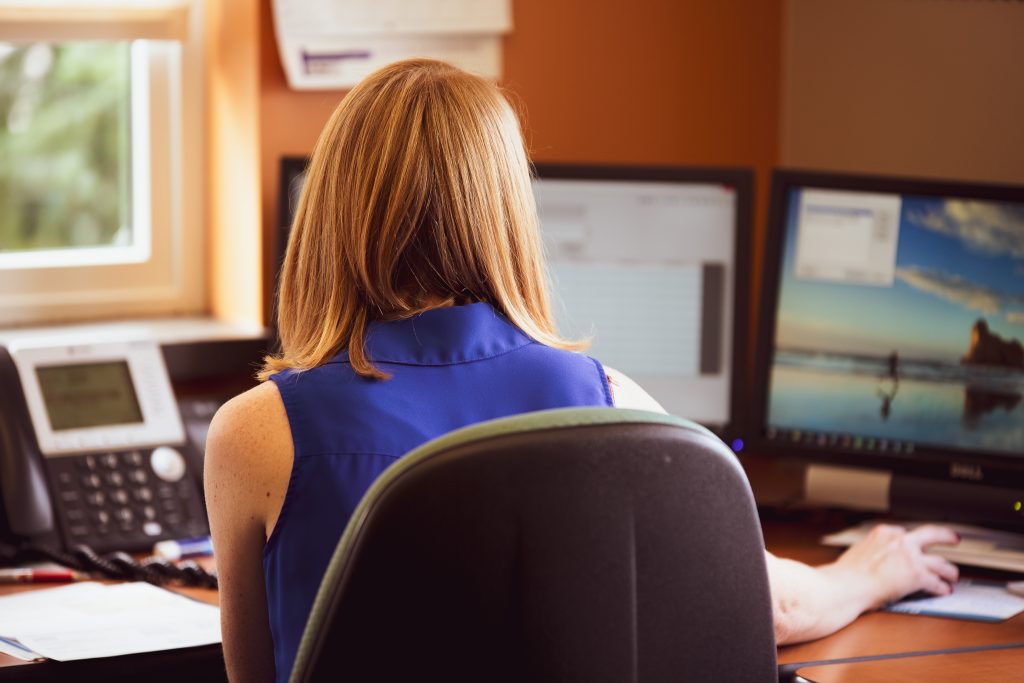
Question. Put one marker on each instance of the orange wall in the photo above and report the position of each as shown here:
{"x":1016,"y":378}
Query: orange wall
{"x":290,"y":122}
{"x":655,"y":82}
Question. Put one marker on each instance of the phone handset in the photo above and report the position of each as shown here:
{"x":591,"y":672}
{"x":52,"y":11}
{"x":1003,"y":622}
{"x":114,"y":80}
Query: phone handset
{"x":25,"y":496}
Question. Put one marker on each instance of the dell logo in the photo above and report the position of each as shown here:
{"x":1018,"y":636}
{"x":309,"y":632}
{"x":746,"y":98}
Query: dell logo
{"x":971,"y":472}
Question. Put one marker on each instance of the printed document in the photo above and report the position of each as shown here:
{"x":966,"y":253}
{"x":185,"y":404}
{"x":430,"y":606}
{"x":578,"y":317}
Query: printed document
{"x":88,"y":620}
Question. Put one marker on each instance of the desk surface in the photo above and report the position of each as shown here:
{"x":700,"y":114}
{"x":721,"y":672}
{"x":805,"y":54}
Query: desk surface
{"x":987,"y":665}
{"x":872,"y":635}
{"x":879,"y":633}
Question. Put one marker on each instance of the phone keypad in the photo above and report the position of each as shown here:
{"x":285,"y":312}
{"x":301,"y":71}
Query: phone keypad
{"x":116,"y":500}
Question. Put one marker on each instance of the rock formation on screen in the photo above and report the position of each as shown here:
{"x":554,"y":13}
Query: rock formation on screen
{"x":988,"y":348}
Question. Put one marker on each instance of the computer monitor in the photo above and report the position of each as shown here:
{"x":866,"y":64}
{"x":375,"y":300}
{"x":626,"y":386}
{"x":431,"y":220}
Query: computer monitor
{"x":651,"y":264}
{"x":890,"y":329}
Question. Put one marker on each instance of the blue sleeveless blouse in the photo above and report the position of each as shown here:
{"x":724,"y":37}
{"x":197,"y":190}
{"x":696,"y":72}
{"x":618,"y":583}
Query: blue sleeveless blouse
{"x":450,"y":367}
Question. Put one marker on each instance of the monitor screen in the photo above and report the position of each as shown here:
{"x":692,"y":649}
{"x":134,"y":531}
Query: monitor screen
{"x":643,"y":263}
{"x":894,"y":317}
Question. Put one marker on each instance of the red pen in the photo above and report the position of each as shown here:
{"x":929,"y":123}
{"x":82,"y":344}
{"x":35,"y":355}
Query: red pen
{"x":29,"y":575}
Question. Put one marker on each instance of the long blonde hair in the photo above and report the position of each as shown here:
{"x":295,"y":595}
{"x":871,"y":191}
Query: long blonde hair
{"x":417,"y":195}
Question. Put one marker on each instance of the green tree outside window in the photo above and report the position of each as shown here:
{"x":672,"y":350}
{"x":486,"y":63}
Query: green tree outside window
{"x":65,"y":145}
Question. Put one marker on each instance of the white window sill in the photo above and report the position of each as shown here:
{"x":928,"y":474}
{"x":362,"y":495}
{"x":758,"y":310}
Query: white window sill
{"x":175,"y":330}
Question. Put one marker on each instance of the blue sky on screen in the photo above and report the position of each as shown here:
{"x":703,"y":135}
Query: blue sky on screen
{"x":957,"y":261}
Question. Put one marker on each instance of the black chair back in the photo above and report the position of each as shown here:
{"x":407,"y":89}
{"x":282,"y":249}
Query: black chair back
{"x":583,"y":545}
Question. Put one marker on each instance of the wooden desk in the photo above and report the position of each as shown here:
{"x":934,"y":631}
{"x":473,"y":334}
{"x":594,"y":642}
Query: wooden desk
{"x":987,"y":665}
{"x":873,"y":635}
{"x":882,"y":634}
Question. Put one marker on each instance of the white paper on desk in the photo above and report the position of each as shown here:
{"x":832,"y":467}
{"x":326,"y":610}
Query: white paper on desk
{"x":88,"y":620}
{"x":13,"y":648}
{"x":971,"y":600}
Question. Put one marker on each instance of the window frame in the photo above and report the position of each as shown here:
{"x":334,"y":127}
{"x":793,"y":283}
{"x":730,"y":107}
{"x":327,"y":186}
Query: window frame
{"x":163,"y":272}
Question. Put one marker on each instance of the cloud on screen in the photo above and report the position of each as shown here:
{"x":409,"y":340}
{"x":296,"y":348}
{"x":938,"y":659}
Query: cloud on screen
{"x":953,"y":288}
{"x":987,"y":227}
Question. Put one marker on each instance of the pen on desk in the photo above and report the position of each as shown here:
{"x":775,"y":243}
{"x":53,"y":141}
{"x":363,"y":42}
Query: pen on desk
{"x":30,"y":575}
{"x":183,"y":549}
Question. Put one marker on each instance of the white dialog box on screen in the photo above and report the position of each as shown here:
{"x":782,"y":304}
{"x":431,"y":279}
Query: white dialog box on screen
{"x":847,"y":237}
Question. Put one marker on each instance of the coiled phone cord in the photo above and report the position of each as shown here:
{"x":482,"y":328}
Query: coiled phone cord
{"x":115,"y":565}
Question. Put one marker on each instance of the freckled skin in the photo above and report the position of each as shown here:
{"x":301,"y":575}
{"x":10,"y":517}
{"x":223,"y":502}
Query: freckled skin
{"x":248,"y":450}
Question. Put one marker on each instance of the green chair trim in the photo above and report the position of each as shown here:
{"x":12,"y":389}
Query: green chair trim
{"x":526,"y":422}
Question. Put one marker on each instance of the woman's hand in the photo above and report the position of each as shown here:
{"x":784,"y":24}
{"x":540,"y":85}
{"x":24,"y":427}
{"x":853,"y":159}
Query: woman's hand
{"x":885,"y":565}
{"x":891,"y":562}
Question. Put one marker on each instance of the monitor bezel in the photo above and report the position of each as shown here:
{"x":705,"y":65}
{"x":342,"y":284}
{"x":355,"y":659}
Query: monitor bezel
{"x":742,"y":180}
{"x":926,"y":460}
{"x":290,"y":168}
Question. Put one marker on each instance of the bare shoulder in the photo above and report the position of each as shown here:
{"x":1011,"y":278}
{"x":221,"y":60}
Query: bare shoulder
{"x":249,"y":451}
{"x":250,"y":415}
{"x":628,"y":394}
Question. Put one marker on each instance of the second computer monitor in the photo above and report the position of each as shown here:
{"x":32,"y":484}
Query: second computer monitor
{"x":893,"y":316}
{"x":651,"y":265}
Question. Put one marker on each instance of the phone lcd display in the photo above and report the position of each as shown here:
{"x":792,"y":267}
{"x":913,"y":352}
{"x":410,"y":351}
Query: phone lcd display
{"x":89,"y":395}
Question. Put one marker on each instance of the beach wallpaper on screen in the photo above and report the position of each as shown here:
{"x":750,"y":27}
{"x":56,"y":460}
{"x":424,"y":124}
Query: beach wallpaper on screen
{"x":934,"y":358}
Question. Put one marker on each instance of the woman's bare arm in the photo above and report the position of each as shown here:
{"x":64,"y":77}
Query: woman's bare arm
{"x":889,"y":563}
{"x":248,"y":462}
{"x":811,"y":602}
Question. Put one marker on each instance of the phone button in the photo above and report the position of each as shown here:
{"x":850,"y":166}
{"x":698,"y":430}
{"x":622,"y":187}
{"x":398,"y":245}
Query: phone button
{"x":91,"y":481}
{"x":96,"y":498}
{"x":144,"y":495}
{"x":152,"y":529}
{"x":167,"y":463}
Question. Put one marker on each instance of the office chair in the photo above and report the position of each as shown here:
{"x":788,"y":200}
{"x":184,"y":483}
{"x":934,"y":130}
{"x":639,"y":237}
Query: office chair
{"x":581,"y":545}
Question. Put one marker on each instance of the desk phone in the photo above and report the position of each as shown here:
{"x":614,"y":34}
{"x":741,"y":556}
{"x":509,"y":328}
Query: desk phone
{"x":92,"y":446}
